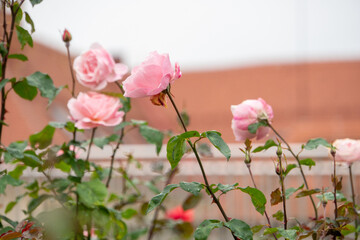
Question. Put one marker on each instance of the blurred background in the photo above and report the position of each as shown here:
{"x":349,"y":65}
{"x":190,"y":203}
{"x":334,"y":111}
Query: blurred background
{"x":301,"y":57}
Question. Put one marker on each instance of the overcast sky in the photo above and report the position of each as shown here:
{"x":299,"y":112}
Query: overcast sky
{"x":206,"y":34}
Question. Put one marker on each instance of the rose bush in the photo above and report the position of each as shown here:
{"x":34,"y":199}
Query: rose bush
{"x":96,"y":68}
{"x":151,"y":77}
{"x":90,"y":110}
{"x":347,"y":150}
{"x":249,"y":112}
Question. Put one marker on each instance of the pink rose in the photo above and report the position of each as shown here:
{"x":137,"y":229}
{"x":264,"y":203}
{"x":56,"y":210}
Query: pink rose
{"x":347,"y":150}
{"x":247,"y":113}
{"x":152,"y":76}
{"x":96,"y":68}
{"x":90,"y":110}
{"x":178,"y":213}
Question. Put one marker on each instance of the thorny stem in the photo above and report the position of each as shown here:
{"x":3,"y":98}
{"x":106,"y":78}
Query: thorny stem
{"x":298,"y":161}
{"x":334,"y":184}
{"x":90,"y":144}
{"x":253,"y":181}
{"x":283,"y":191}
{"x":353,"y":199}
{"x":171,"y":174}
{"x":215,"y":199}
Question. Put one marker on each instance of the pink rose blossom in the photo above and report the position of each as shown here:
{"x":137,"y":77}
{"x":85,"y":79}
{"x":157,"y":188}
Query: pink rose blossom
{"x":178,"y":213}
{"x":247,"y":113}
{"x":347,"y":150}
{"x":152,"y":76}
{"x":90,"y":110}
{"x":96,"y":68}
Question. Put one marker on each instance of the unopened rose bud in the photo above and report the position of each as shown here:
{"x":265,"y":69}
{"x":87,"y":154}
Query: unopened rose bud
{"x":159,"y":99}
{"x":247,"y":158}
{"x":66,"y":37}
{"x":279,"y":151}
{"x":278,"y":169}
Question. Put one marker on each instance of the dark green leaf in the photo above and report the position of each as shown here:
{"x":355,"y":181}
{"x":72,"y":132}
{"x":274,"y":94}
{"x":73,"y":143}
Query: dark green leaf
{"x":307,"y":162}
{"x":215,"y":138}
{"x":290,"y":234}
{"x":31,"y":159}
{"x":269,"y":143}
{"x":91,"y":193}
{"x":191,"y":202}
{"x":15,"y":149}
{"x":275,"y":197}
{"x":20,"y":57}
{"x":24,"y":90}
{"x":290,"y":191}
{"x":314,"y":143}
{"x":175,"y":150}
{"x":126,"y":102}
{"x":224,"y":188}
{"x":305,"y":193}
{"x":257,"y":198}
{"x":3,"y":50}
{"x":254,"y":127}
{"x":240,"y":229}
{"x":192,"y":187}
{"x":43,"y":138}
{"x":152,"y":135}
{"x":190,"y":134}
{"x":128,"y":213}
{"x":158,"y":199}
{"x":8,"y":180}
{"x":45,"y":85}
{"x":279,"y":215}
{"x":29,"y":21}
{"x":34,"y":2}
{"x":34,"y":203}
{"x":24,"y":37}
{"x":3,"y":83}
{"x":19,"y":13}
{"x":203,"y":231}
{"x":8,"y":220}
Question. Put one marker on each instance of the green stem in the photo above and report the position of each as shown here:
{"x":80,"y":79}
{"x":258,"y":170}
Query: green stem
{"x":334,"y":184}
{"x":67,"y":44}
{"x":353,"y":199}
{"x":215,"y":199}
{"x":90,"y":144}
{"x":283,"y":192}
{"x":300,"y":167}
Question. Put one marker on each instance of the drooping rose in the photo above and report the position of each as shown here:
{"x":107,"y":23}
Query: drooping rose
{"x":247,"y":113}
{"x":347,"y":150}
{"x":178,"y":213}
{"x":151,"y":77}
{"x":95,"y":68}
{"x":90,"y":110}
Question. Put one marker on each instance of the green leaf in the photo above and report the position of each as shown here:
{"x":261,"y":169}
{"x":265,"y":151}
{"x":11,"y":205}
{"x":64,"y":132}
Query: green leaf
{"x":192,"y":187}
{"x":185,"y":117}
{"x":17,"y":172}
{"x":279,"y":215}
{"x":257,"y":198}
{"x":269,"y":143}
{"x":224,"y":188}
{"x":329,"y":196}
{"x":24,"y":90}
{"x":158,"y":199}
{"x":16,"y":149}
{"x":175,"y":150}
{"x":128,"y":213}
{"x":3,"y":50}
{"x":3,"y":83}
{"x":43,"y":138}
{"x":305,"y":193}
{"x":152,"y":135}
{"x":34,"y":203}
{"x":91,"y":193}
{"x":256,"y":228}
{"x":215,"y":138}
{"x":20,"y":57}
{"x":240,"y":229}
{"x":289,"y":167}
{"x":191,"y":201}
{"x":190,"y":134}
{"x":290,"y":191}
{"x":290,"y":234}
{"x":126,"y":102}
{"x":270,"y":231}
{"x":203,"y":231}
{"x":314,"y":143}
{"x":8,"y":220}
{"x":307,"y":162}
{"x":19,"y":13}
{"x":24,"y":37}
{"x":275,"y":197}
{"x":44,"y":83}
{"x":29,"y":21}
{"x":31,"y":159}
{"x":63,"y":166}
{"x":34,"y":2}
{"x":254,"y":127}
{"x":8,"y":180}
{"x":152,"y":187}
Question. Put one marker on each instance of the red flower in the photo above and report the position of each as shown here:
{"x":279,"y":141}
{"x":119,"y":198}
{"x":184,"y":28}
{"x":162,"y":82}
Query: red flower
{"x":178,"y":213}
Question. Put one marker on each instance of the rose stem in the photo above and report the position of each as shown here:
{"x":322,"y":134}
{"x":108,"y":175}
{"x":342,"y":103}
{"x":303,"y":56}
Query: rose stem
{"x":283,"y":191}
{"x":199,"y":162}
{"x":298,"y":161}
{"x":334,"y":183}
{"x":121,"y":136}
{"x":353,"y":199}
{"x":90,"y":144}
{"x":253,"y":181}
{"x":171,"y":174}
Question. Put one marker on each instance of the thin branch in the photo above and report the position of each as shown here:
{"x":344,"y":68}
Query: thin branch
{"x":90,"y":144}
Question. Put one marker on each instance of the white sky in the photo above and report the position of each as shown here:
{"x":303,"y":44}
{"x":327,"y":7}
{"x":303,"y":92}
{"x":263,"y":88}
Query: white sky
{"x":206,"y":34}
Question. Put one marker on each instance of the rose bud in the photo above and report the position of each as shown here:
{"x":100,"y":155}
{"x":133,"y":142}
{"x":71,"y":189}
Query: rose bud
{"x":66,"y":37}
